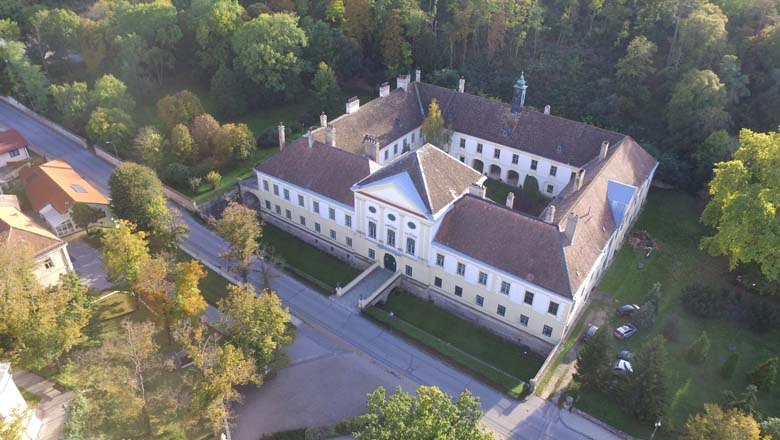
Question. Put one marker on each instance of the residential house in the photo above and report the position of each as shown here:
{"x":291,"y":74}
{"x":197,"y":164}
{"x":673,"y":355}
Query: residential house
{"x":13,"y":155}
{"x":13,"y":405}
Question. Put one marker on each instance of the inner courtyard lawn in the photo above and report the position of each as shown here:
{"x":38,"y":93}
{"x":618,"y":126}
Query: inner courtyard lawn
{"x":497,"y":192}
{"x":672,"y":218}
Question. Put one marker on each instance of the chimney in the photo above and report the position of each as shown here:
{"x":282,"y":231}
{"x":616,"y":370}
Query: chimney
{"x":402,"y":82}
{"x":549,"y":214}
{"x":330,"y":135}
{"x":477,"y":190}
{"x":323,"y":120}
{"x":571,"y":227}
{"x":280,"y":129}
{"x":461,"y":84}
{"x":547,"y":109}
{"x":580,"y":179}
{"x":310,"y":138}
{"x":510,"y":200}
{"x":384,"y":89}
{"x":604,"y":150}
{"x":353,"y":104}
{"x":417,"y":75}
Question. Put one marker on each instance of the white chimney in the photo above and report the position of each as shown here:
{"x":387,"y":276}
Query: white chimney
{"x":330,"y":135}
{"x":384,"y":89}
{"x":604,"y":150}
{"x":323,"y":120}
{"x":353,"y":105}
{"x":402,"y":82}
{"x":461,"y":84}
{"x":571,"y":227}
{"x":280,"y":129}
{"x":510,"y":200}
{"x":417,"y":75}
{"x":547,"y":109}
{"x":477,"y":190}
{"x":580,"y":179}
{"x":310,"y":138}
{"x":549,"y":214}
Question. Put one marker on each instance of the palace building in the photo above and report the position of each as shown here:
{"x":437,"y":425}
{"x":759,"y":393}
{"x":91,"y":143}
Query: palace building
{"x":367,"y":188}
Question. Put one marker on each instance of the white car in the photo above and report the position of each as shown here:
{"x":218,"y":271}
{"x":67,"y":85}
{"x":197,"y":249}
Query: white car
{"x":622,"y":367}
{"x":625,"y":331}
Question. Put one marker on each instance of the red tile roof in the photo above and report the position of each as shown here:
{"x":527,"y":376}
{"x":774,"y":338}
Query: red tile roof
{"x":20,"y":230}
{"x":11,"y":140}
{"x":58,"y":184}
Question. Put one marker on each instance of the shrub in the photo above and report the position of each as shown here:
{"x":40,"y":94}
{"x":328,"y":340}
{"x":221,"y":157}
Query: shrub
{"x":269,"y":138}
{"x":702,"y":301}
{"x":671,"y":330}
{"x":763,"y":317}
{"x":765,"y":373}
{"x":194,"y":183}
{"x":177,"y":174}
{"x":645,"y":316}
{"x":213,"y":178}
{"x":698,"y":351}
{"x":730,"y":366}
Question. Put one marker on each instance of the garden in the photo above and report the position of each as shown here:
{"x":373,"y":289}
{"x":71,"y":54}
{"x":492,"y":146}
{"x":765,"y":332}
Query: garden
{"x":527,"y":200}
{"x":698,"y":296}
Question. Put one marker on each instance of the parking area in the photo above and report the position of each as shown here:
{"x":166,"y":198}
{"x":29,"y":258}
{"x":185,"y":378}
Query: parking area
{"x":88,"y":265}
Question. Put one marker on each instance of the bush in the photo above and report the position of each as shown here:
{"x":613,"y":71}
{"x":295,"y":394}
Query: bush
{"x":213,"y":178}
{"x":270,"y":137}
{"x":702,"y":301}
{"x":645,"y":316}
{"x":763,"y":317}
{"x":177,"y":175}
{"x":730,"y":366}
{"x":698,"y":351}
{"x":671,"y":330}
{"x":765,"y":373}
{"x":194,"y":183}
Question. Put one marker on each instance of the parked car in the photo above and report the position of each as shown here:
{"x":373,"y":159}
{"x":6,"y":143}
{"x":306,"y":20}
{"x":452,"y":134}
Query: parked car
{"x":625,"y":331}
{"x":625,"y":355}
{"x":627,"y":309}
{"x":592,"y":329}
{"x":622,"y":367}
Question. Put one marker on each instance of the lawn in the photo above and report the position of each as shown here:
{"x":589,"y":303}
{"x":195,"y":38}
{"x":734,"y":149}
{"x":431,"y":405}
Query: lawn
{"x":213,"y":286}
{"x":497,"y":192}
{"x":671,"y":217}
{"x":230,"y":177}
{"x":509,"y":365}
{"x":110,"y":306}
{"x":323,"y":270}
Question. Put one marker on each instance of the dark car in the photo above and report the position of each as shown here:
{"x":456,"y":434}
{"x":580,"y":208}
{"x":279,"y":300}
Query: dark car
{"x":625,"y":331}
{"x":627,"y":309}
{"x":592,"y":329}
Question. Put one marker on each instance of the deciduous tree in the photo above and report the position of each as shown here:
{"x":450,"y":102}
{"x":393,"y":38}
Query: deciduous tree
{"x":55,"y":29}
{"x":110,"y":92}
{"x":112,"y":126}
{"x":179,"y":108}
{"x":189,"y":302}
{"x":84,"y":215}
{"x":702,"y":38}
{"x":124,"y":249}
{"x":433,"y":129}
{"x":715,"y":423}
{"x":233,"y":142}
{"x":697,"y":108}
{"x":72,"y":101}
{"x":242,"y":230}
{"x":181,"y":144}
{"x":137,"y":196}
{"x":204,"y":127}
{"x":28,"y":83}
{"x":633,"y":72}
{"x":325,"y":87}
{"x":697,"y":352}
{"x":148,"y":146}
{"x":214,"y":23}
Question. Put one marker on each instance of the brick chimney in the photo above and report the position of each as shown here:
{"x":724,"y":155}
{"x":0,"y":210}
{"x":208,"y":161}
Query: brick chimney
{"x":549,"y":214}
{"x":604,"y":150}
{"x":571,"y":227}
{"x":353,"y":105}
{"x":417,"y":75}
{"x":280,"y":132}
{"x":330,"y":135}
{"x":510,"y":200}
{"x":477,"y":190}
{"x":461,"y":85}
{"x":547,"y":109}
{"x":384,"y":89}
{"x":580,"y":179}
{"x":402,"y":82}
{"x":323,"y":120}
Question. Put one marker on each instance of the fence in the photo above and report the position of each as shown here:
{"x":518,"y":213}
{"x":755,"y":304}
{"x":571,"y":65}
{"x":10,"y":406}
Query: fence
{"x":54,"y":126}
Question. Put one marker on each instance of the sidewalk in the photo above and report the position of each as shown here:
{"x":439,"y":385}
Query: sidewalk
{"x":590,"y":427}
{"x":52,"y":407}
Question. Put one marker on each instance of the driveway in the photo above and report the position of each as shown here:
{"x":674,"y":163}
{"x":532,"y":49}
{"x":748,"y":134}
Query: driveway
{"x":88,"y":265}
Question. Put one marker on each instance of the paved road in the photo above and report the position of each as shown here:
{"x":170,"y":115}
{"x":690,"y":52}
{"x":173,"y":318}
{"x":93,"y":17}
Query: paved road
{"x":534,"y":419}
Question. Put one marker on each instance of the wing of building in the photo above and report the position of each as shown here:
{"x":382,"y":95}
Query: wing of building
{"x":368,"y":188}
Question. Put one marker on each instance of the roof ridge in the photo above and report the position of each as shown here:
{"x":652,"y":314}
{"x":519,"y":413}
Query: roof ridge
{"x":419,"y":101}
{"x":424,"y":179}
{"x":512,"y":211}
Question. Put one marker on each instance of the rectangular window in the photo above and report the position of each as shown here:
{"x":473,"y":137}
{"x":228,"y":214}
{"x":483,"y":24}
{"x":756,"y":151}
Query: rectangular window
{"x":348,"y":221}
{"x":317,"y":227}
{"x":349,"y":241}
{"x":408,"y":270}
{"x":395,"y":148}
{"x":302,"y":220}
{"x":268,"y":205}
{"x":505,"y":287}
{"x":463,"y":159}
{"x":483,"y":278}
{"x":553,"y":308}
{"x":413,"y":136}
{"x":573,"y":175}
{"x":534,"y":164}
{"x":387,"y":154}
{"x":461,"y":269}
{"x":550,"y":189}
{"x":529,"y":298}
{"x":479,"y":148}
{"x":410,"y":246}
{"x":331,"y":213}
{"x":524,"y":320}
{"x":501,"y":310}
{"x":332,"y":234}
{"x":276,"y":190}
{"x":316,"y":206}
{"x":288,"y":213}
{"x":372,"y":230}
{"x":480,"y":301}
{"x":48,"y":264}
{"x":278,"y":209}
{"x":300,"y":200}
{"x":496,"y":153}
{"x":372,"y":254}
{"x":462,"y":143}
{"x":547,"y":331}
{"x":553,"y":170}
{"x":440,"y":260}
{"x":391,"y":238}
{"x":458,"y":291}
{"x":265,"y":185}
{"x":515,"y":159}
{"x":437,"y":282}
{"x":286,"y":194}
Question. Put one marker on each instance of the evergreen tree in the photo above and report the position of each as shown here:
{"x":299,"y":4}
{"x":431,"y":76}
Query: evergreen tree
{"x":765,"y":373}
{"x":698,"y":351}
{"x":728,"y":368}
{"x":645,"y":392}
{"x":594,"y":360}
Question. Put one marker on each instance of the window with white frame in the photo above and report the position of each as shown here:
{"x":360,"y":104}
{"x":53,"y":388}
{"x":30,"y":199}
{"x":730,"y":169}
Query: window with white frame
{"x":14,"y":153}
{"x":480,"y":300}
{"x":303,"y":220}
{"x":48,"y":264}
{"x":349,"y":241}
{"x":501,"y":310}
{"x":332,"y":234}
{"x":524,"y":320}
{"x":317,"y":227}
{"x":458,"y":291}
{"x":534,"y":164}
{"x":410,"y":245}
{"x":505,"y":287}
{"x":278,"y":209}
{"x":547,"y":331}
{"x":553,"y":308}
{"x":461,"y":270}
{"x":286,"y":194}
{"x":315,"y":206}
{"x":440,"y":260}
{"x":348,"y":221}
{"x":479,"y":148}
{"x":462,"y":143}
{"x":372,"y":230}
{"x":529,"y":298}
{"x":276,"y":190}
{"x":437,"y":281}
{"x":331,"y":213}
{"x":550,"y":189}
{"x":496,"y":153}
{"x":483,"y":278}
{"x":391,"y":238}
{"x":372,"y":254}
{"x":288,"y":213}
{"x":265,"y":185}
{"x":268,"y":205}
{"x":408,"y":270}
{"x":553,"y":170}
{"x":515,"y":159}
{"x":301,"y":202}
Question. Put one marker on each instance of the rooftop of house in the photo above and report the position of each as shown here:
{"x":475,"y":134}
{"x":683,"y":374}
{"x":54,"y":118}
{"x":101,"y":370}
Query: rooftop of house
{"x":58,"y":184}
{"x":11,"y":140}
{"x":20,"y":230}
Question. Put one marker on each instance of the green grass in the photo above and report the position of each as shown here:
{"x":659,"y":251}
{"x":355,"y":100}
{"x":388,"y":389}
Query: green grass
{"x":213,"y":286}
{"x":672,"y":218}
{"x":31,"y":399}
{"x":307,"y":261}
{"x":497,"y":192}
{"x":440,"y":331}
{"x":115,"y":306}
{"x":230,"y":177}
{"x":295,"y":434}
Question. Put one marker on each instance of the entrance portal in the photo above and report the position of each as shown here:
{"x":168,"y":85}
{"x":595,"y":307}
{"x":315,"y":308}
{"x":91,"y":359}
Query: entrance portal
{"x":390,"y":262}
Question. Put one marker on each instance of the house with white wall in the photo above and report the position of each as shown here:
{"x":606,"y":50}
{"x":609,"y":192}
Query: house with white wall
{"x":13,"y":405}
{"x":13,"y":155}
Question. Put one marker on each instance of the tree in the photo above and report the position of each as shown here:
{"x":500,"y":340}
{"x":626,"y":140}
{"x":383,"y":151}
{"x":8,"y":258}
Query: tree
{"x":110,"y":92}
{"x":110,"y":125}
{"x":27,"y":82}
{"x":428,"y":414}
{"x":268,"y":50}
{"x":702,"y":37}
{"x":214,"y":23}
{"x":396,"y":52}
{"x":633,"y":72}
{"x":9,"y":29}
{"x":242,"y":230}
{"x":227,"y":92}
{"x":124,"y":249}
{"x":55,"y":30}
{"x":698,"y":351}
{"x":137,"y":196}
{"x":433,"y":129}
{"x":358,"y":20}
{"x":765,"y":373}
{"x":130,"y":55}
{"x":213,"y":178}
{"x":745,"y":402}
{"x":179,"y":108}
{"x":742,"y":205}
{"x":155,"y":289}
{"x":189,"y":302}
{"x":728,"y":368}
{"x":736,"y":82}
{"x":771,"y":427}
{"x":594,"y":360}
{"x":148,"y":146}
{"x":715,"y":423}
{"x":258,"y":325}
{"x":645,"y":391}
{"x":334,"y":13}
{"x":204,"y":127}
{"x":72,"y":101}
{"x":181,"y":144}
{"x":325,"y":87}
{"x":14,"y":425}
{"x":697,"y":108}
{"x":84,"y":215}
{"x":718,"y":147}
{"x":93,"y":45}
{"x":233,"y":141}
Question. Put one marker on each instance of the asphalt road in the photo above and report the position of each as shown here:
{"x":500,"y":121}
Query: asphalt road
{"x":534,"y":419}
